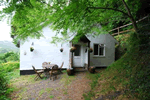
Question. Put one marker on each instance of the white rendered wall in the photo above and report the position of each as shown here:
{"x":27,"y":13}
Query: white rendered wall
{"x":43,"y":52}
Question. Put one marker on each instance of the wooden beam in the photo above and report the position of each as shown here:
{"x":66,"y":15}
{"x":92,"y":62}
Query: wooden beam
{"x":122,"y":32}
{"x":129,"y":23}
{"x":71,"y":59}
{"x":70,"y":56}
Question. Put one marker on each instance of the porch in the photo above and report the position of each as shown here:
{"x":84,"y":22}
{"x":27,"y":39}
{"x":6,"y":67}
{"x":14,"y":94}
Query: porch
{"x":80,"y":58}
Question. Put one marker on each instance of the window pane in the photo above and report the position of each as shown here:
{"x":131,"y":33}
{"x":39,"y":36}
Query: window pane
{"x":95,"y":49}
{"x":101,"y":51}
{"x":77,"y":51}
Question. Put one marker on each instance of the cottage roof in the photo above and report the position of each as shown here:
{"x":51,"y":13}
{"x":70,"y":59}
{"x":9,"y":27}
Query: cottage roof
{"x":83,"y":38}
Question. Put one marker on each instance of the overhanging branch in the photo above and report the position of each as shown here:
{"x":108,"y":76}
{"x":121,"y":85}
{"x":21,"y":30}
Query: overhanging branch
{"x":109,"y":9}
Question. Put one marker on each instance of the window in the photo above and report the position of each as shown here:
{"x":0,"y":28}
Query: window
{"x":77,"y":51}
{"x":99,"y":49}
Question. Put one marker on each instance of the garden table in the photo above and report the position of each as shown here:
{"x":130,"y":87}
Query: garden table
{"x":48,"y":67}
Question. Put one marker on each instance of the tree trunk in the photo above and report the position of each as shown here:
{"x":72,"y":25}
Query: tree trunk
{"x":131,"y":18}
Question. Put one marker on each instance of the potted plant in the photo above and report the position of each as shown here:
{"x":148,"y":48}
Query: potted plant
{"x":90,"y":50}
{"x":31,"y":49}
{"x":92,"y":69}
{"x":70,"y":71}
{"x":61,"y":50}
{"x":72,"y":49}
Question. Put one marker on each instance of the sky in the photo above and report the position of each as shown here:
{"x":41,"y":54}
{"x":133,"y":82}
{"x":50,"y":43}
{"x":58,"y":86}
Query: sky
{"x":4,"y":30}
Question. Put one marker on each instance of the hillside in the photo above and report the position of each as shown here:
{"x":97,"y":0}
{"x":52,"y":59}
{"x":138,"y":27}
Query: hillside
{"x":6,"y":46}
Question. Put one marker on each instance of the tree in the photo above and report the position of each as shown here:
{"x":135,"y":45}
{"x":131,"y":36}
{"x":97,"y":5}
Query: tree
{"x":81,"y":16}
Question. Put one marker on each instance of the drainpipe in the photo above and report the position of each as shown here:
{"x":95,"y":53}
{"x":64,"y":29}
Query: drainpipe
{"x":88,"y":56}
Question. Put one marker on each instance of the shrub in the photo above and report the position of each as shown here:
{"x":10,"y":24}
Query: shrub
{"x":13,"y":57}
{"x":10,"y":66}
{"x":10,"y":56}
{"x":5,"y":76}
{"x":3,"y":83}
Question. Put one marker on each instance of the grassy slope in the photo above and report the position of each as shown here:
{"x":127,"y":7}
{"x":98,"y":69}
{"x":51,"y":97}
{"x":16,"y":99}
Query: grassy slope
{"x":129,"y":75}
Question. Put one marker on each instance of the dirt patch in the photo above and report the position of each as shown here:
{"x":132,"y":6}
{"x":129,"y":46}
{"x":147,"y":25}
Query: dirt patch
{"x":53,"y":90}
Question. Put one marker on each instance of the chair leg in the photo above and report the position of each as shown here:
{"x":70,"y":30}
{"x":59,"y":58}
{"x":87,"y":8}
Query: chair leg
{"x":36,"y":77}
{"x":39,"y":75}
{"x":53,"y":78}
{"x":56,"y":76}
{"x":50,"y":76}
{"x":60,"y":71}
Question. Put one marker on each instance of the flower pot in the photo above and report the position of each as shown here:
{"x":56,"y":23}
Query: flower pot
{"x":61,"y":50}
{"x":92,"y":69}
{"x":72,"y":49}
{"x":90,"y":50}
{"x":70,"y":71}
{"x":31,"y":49}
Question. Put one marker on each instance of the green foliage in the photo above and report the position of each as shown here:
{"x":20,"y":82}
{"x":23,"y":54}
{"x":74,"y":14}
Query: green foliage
{"x":82,"y":17}
{"x":3,"y":83}
{"x":134,"y":66}
{"x":94,"y":78}
{"x":41,"y":92}
{"x":88,"y":95}
{"x":10,"y":56}
{"x":13,"y":57}
{"x":10,"y":66}
{"x":51,"y":96}
{"x":5,"y":75}
{"x":121,"y":49}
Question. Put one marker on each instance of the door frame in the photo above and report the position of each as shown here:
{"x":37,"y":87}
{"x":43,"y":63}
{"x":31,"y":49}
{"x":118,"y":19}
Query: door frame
{"x":82,"y":54}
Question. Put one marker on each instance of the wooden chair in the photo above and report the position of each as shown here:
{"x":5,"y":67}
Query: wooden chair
{"x":38,"y":73}
{"x":61,"y":67}
{"x":45,"y":69}
{"x":54,"y":72}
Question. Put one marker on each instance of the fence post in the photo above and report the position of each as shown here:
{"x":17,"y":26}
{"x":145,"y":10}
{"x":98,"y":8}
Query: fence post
{"x":118,"y":31}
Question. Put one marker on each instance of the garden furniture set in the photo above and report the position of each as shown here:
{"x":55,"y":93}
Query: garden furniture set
{"x":50,"y":70}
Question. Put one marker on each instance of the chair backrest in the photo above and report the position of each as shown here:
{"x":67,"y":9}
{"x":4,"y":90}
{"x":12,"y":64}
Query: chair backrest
{"x":48,"y":62}
{"x":54,"y":68}
{"x":62,"y":65}
{"x":34,"y":68}
{"x":44,"y":63}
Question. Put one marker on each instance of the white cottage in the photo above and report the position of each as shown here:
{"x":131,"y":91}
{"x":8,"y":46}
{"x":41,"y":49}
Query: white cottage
{"x":103,"y":52}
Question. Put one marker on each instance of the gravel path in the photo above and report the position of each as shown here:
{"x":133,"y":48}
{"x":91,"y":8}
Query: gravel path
{"x":54,"y":90}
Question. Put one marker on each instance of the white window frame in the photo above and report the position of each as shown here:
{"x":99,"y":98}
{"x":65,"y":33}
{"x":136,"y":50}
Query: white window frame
{"x":98,"y":50}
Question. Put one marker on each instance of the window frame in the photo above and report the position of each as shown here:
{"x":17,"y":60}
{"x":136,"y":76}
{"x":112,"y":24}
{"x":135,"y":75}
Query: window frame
{"x":79,"y":52}
{"x":98,"y":50}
